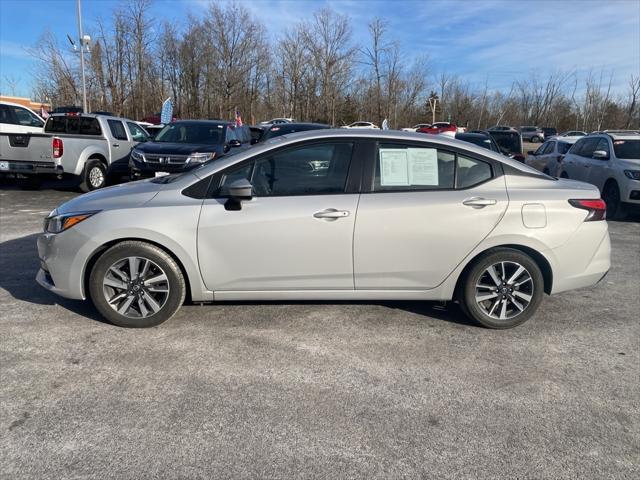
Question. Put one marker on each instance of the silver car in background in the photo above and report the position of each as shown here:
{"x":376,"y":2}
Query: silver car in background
{"x":331,"y":215}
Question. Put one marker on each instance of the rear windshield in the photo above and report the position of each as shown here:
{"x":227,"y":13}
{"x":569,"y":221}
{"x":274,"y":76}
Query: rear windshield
{"x":75,"y":125}
{"x":627,"y":149}
{"x":198,"y":133}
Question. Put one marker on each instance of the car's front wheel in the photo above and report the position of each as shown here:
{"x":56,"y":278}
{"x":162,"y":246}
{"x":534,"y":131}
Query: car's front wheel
{"x":136,"y":284}
{"x":502,"y":289}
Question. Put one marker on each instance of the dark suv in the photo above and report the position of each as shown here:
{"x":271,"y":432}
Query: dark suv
{"x":182,"y":145}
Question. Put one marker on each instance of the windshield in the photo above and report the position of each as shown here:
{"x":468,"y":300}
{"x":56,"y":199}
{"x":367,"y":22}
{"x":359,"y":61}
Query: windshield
{"x":199,"y":133}
{"x":627,"y":149}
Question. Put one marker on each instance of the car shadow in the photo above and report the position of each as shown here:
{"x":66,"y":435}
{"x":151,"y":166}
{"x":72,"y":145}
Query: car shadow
{"x":19,"y":265}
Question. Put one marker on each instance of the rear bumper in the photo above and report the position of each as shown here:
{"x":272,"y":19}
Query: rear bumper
{"x":578,"y":263}
{"x":30,"y":168}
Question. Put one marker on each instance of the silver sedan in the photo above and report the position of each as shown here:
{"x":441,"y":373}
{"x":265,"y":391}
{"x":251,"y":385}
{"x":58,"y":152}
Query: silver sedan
{"x":331,"y":215}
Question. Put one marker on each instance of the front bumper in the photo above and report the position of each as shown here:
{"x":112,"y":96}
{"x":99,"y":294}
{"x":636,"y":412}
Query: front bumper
{"x":63,"y":257}
{"x":30,"y":168}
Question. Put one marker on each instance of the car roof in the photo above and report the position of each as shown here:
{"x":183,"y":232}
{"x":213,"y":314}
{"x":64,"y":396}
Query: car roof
{"x":337,"y":133}
{"x":618,"y":134}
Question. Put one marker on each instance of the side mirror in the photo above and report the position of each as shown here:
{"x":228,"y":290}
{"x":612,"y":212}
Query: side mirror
{"x":600,"y":155}
{"x":234,"y":143}
{"x":238,"y":191}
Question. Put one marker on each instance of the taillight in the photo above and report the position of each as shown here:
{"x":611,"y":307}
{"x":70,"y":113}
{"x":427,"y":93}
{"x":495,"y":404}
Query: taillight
{"x":597,"y":208}
{"x":58,"y":147}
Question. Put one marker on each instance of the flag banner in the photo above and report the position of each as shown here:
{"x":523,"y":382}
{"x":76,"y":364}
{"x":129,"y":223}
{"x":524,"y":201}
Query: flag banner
{"x":166,"y":114}
{"x":385,"y":124}
{"x":238,"y":118}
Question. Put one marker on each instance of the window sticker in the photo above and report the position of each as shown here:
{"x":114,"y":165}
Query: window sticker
{"x":393,"y":167}
{"x":408,"y":166}
{"x":423,"y":166}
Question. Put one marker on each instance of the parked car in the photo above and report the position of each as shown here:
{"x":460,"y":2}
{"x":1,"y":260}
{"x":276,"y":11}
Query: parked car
{"x":278,"y":130}
{"x":611,"y":162}
{"x":155,"y":119}
{"x":440,"y":127}
{"x":549,"y":132}
{"x":416,"y":127}
{"x":573,"y":133}
{"x":532,"y":134}
{"x":15,"y":118}
{"x":277,"y":121}
{"x":331,"y":214}
{"x":510,"y":142}
{"x":361,"y":125}
{"x":482,"y":139}
{"x":87,"y":147}
{"x":67,"y":109}
{"x":548,"y":156}
{"x":183,"y":145}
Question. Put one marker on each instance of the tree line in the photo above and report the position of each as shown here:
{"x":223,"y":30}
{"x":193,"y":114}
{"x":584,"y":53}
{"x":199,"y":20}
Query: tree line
{"x":313,"y":71}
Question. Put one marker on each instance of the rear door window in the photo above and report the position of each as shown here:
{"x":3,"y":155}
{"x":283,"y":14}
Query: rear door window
{"x":402,"y":168}
{"x":471,"y":172}
{"x":117,"y":129}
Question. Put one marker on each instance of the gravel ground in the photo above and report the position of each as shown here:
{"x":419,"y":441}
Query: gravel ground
{"x":315,"y":390}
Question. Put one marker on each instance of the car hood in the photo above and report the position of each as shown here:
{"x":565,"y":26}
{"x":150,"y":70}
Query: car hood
{"x":119,"y":196}
{"x":176,"y":148}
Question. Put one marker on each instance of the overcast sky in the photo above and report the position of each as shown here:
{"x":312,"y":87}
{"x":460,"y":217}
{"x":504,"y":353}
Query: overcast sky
{"x":494,"y":41}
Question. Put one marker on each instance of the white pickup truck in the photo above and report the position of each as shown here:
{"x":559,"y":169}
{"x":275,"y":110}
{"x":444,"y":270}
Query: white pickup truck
{"x":88,"y":147}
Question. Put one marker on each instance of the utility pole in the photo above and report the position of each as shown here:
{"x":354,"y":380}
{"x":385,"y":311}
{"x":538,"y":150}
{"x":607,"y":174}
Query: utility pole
{"x":82,"y":43}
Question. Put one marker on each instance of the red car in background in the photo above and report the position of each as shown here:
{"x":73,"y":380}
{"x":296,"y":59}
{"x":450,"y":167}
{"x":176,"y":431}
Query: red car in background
{"x":440,"y":127}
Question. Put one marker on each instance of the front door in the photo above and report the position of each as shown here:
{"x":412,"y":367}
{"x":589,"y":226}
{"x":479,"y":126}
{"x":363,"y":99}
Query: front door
{"x":428,"y":209}
{"x":296,"y":232}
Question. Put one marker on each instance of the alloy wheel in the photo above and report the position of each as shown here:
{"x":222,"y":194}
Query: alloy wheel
{"x":504,"y":290}
{"x":96,"y":177}
{"x":135,"y":287}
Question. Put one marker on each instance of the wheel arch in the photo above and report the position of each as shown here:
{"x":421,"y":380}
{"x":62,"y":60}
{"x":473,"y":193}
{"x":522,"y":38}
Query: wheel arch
{"x":104,"y":247}
{"x":537,"y":257}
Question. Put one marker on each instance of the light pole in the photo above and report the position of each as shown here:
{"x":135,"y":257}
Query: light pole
{"x":82,"y":44}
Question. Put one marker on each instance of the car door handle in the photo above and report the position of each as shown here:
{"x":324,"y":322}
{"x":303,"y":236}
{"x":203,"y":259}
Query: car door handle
{"x":479,"y":202}
{"x":331,"y":214}
{"x":116,"y":144}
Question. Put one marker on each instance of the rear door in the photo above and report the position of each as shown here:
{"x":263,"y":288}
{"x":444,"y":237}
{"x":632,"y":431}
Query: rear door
{"x":426,"y":209}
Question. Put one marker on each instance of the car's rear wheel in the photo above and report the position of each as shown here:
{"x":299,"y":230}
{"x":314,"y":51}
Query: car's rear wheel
{"x":136,"y":284}
{"x":535,"y":139}
{"x":94,"y":176}
{"x":502,"y":289}
{"x":611,"y":196}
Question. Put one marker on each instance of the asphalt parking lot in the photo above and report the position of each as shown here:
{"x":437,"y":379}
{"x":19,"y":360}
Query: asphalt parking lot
{"x":315,"y":390}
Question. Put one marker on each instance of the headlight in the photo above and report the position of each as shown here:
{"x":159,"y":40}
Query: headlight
{"x":60,"y":223}
{"x":200,"y":157}
{"x":137,"y":155}
{"x":632,"y":174}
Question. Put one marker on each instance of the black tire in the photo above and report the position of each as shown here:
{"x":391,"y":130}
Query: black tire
{"x":167,"y":306}
{"x":29,"y":183}
{"x":611,"y":196}
{"x":477,"y":274}
{"x":535,"y":140}
{"x":94,"y":176}
{"x":564,"y":175}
